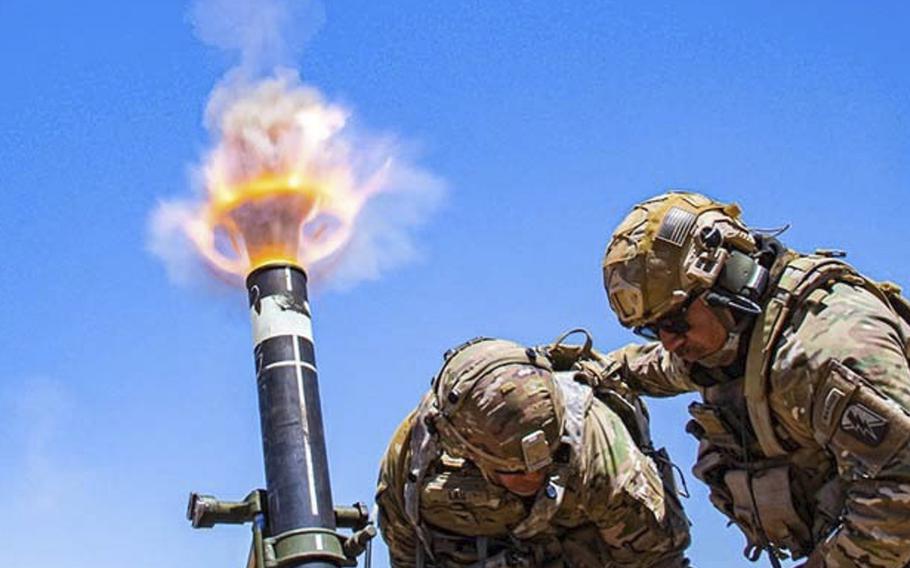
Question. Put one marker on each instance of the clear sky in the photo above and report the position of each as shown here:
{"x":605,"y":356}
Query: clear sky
{"x":121,"y":392}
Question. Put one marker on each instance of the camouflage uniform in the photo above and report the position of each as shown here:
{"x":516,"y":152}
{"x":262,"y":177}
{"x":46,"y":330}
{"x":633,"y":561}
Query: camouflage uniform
{"x":604,"y":504}
{"x":803,"y":439}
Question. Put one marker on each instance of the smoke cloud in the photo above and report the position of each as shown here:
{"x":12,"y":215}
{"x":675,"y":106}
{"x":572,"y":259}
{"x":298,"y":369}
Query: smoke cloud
{"x":262,"y":34}
{"x":262,"y":117}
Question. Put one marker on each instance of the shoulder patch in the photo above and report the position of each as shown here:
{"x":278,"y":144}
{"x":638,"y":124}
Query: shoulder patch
{"x":863,"y":424}
{"x":863,"y":428}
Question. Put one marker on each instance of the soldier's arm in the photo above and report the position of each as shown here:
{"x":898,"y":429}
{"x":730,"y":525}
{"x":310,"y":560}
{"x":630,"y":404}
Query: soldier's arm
{"x":640,"y":524}
{"x":854,"y":349}
{"x":397,"y":531}
{"x":648,"y":369}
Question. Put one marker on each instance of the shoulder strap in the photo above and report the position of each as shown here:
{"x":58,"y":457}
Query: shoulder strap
{"x":422,"y":451}
{"x":577,"y":398}
{"x":800,"y":277}
{"x":901,"y":306}
{"x":568,"y":360}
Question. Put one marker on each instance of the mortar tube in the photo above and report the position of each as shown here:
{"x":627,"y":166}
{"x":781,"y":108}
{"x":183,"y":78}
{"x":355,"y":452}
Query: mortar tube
{"x":293,"y":441}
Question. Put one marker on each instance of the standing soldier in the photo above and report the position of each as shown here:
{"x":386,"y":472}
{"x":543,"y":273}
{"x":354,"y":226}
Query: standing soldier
{"x":802,"y":363}
{"x":507,"y":462}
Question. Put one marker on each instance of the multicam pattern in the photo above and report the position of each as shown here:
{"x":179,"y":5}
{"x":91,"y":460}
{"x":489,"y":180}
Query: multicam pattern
{"x":614,"y":510}
{"x":838,"y":371}
{"x":489,"y":394}
{"x":646,"y":268}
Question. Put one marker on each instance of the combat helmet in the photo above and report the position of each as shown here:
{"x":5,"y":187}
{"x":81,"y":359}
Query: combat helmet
{"x":674,"y":246}
{"x":496,"y":403}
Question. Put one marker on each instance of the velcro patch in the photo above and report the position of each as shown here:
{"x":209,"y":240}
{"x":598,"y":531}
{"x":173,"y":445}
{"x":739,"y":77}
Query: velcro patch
{"x":832,"y":400}
{"x":676,"y":226}
{"x":862,"y":427}
{"x":863,"y":424}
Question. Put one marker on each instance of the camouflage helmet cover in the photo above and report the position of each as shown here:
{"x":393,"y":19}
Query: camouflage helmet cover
{"x":497,"y":405}
{"x":658,"y":255}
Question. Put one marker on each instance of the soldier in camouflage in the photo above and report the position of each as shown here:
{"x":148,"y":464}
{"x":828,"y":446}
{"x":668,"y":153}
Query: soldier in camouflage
{"x":802,"y":364}
{"x":511,"y":461}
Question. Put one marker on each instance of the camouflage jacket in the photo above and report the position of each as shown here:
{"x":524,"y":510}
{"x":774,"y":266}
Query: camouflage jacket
{"x":609,"y":508}
{"x":832,"y":387}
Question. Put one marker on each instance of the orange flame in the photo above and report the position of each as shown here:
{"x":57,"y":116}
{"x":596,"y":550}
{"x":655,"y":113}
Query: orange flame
{"x":288,"y":180}
{"x":280,"y":184}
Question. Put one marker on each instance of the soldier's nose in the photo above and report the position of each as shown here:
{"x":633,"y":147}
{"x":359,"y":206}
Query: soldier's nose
{"x":672,"y":342}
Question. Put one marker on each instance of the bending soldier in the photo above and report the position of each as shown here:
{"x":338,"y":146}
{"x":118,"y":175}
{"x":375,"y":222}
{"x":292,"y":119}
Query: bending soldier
{"x":507,"y":462}
{"x":803,"y":367}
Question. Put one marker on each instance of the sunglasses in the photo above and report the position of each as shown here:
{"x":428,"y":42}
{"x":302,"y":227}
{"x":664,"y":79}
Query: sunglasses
{"x":674,"y":322}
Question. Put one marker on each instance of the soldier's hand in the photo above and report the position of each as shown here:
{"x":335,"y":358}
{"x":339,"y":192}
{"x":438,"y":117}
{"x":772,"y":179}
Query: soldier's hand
{"x":600,"y":371}
{"x":563,"y":356}
{"x":590,"y":371}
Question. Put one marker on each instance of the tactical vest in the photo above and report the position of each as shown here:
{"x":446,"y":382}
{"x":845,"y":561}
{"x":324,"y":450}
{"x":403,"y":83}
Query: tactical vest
{"x":778,"y":493}
{"x":525,"y":543}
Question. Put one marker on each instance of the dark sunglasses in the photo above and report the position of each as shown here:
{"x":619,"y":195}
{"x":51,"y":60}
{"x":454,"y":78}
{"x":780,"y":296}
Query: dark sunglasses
{"x":674,"y":322}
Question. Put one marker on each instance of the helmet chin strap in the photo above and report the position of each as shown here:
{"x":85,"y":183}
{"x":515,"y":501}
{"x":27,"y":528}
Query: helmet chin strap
{"x":731,"y":300}
{"x":726,"y":354}
{"x":736,"y":314}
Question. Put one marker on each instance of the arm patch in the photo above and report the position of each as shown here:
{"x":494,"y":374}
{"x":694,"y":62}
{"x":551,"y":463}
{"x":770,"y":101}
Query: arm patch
{"x":857,"y":422}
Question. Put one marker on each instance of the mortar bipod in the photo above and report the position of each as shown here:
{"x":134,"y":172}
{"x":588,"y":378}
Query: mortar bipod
{"x":292,"y":547}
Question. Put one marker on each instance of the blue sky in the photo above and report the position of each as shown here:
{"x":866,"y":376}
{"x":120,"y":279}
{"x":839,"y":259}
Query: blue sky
{"x":121,"y":392}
